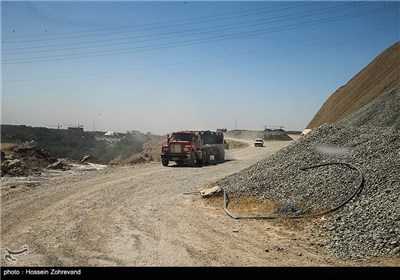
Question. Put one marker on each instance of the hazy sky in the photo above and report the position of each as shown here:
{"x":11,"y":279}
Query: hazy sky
{"x":164,"y":66}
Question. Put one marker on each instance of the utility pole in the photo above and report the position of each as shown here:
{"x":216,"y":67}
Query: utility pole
{"x":235,"y":124}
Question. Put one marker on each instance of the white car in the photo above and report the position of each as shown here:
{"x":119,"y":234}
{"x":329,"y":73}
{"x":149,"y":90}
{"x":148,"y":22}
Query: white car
{"x":258,"y":142}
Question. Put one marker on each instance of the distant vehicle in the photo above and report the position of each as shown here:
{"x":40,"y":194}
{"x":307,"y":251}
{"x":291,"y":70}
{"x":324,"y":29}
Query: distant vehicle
{"x":258,"y":142}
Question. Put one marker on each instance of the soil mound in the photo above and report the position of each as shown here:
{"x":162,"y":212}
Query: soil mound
{"x":24,"y":159}
{"x":380,"y":76}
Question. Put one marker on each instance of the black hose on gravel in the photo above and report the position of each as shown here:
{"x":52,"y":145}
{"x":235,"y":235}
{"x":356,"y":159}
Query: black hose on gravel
{"x":357,"y":191}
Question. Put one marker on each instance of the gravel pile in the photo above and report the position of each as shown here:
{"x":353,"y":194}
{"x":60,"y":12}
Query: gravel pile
{"x":384,"y":111}
{"x":369,"y":225}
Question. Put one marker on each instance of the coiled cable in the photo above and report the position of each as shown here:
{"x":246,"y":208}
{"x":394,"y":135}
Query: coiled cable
{"x":358,"y":190}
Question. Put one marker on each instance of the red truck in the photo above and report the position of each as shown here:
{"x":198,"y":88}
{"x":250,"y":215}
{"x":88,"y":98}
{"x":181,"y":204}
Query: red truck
{"x":194,"y":147}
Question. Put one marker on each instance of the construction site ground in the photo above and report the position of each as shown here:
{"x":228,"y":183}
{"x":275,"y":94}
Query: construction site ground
{"x":151,"y":215}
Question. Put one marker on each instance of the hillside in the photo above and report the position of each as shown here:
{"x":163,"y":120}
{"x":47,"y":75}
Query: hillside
{"x":378,"y":77}
{"x":75,"y":145}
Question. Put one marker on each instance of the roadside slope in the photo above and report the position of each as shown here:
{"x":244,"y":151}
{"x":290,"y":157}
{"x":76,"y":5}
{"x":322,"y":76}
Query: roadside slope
{"x":378,"y":77}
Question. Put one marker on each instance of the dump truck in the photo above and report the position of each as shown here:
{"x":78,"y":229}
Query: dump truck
{"x":194,"y":148}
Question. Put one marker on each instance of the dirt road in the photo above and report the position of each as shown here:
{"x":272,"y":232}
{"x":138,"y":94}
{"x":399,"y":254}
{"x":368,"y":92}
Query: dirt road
{"x":140,"y":216}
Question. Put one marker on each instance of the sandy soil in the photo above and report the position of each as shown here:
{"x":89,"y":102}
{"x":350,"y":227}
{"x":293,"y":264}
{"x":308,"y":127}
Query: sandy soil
{"x":139,"y":216}
{"x":378,"y":77}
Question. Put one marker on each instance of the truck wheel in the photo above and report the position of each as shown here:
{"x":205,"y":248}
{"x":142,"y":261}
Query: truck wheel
{"x":222,"y":155}
{"x":165,"y":162}
{"x":192,"y":159}
{"x":200,"y":162}
{"x":216,"y":156}
{"x":207,"y":158}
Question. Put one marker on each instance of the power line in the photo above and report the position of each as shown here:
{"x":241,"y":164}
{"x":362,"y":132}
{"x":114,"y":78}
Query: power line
{"x":162,"y":24}
{"x":189,"y":32}
{"x":364,"y":33}
{"x":157,"y":36}
{"x":193,"y":41}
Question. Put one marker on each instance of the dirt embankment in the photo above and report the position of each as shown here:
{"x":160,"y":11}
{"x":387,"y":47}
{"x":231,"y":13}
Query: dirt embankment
{"x":378,"y":77}
{"x":251,"y":135}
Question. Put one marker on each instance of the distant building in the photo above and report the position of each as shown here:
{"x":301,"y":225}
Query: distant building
{"x":76,"y":128}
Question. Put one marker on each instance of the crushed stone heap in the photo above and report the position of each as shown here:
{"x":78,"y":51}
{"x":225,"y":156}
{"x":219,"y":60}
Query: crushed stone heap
{"x":369,"y":225}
